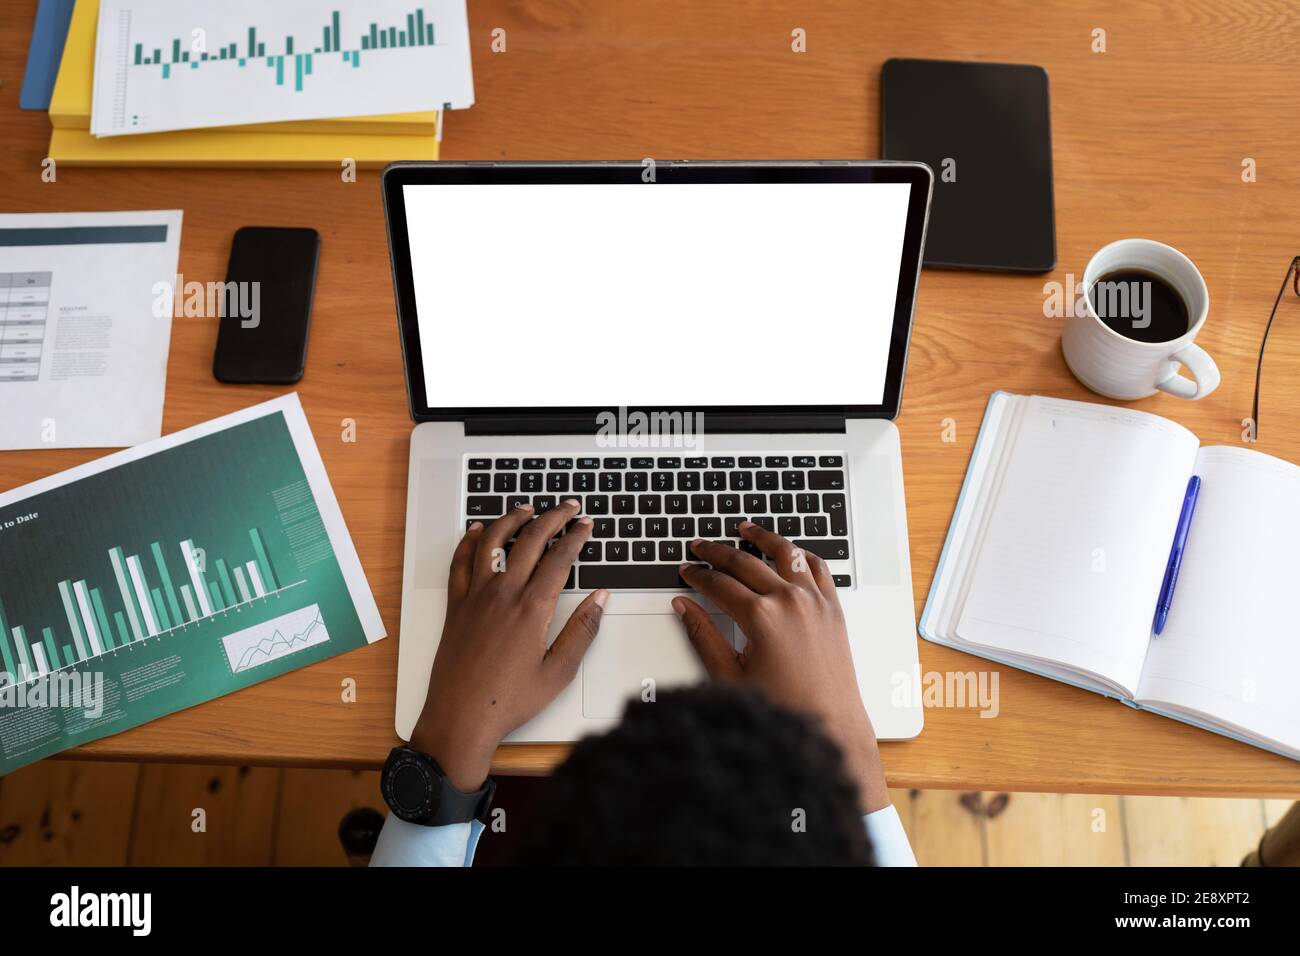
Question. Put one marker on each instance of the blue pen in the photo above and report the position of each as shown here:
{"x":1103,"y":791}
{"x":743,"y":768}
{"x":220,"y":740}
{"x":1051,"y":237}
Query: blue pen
{"x":1176,"y":554}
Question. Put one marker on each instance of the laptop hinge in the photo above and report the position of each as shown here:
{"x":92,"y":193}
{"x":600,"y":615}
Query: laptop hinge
{"x":669,"y":431}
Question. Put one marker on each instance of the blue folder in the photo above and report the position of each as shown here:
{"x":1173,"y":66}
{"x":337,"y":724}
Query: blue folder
{"x":45,"y":53}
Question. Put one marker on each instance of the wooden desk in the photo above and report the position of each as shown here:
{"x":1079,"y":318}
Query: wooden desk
{"x":1149,"y":139}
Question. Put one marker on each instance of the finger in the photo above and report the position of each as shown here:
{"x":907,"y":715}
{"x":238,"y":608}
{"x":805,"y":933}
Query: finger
{"x":790,"y":562}
{"x":533,"y":539}
{"x":716,"y":653}
{"x":821,"y":573}
{"x":575,"y":637}
{"x":490,"y":556}
{"x":462,"y":563}
{"x":745,"y":568}
{"x":553,"y":570}
{"x":726,"y":592}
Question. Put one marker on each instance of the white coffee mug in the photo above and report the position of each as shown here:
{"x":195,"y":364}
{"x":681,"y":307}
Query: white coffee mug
{"x":1124,"y":368}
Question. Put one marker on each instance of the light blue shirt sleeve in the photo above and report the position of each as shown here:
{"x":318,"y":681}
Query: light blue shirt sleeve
{"x":409,"y":844}
{"x":888,"y":838}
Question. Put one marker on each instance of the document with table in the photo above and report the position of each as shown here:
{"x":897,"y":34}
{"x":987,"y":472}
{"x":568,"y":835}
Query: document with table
{"x":85,"y":324}
{"x":1058,"y":548}
{"x":169,"y":574}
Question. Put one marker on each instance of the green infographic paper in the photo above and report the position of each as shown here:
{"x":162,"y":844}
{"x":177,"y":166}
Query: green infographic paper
{"x":170,"y":574}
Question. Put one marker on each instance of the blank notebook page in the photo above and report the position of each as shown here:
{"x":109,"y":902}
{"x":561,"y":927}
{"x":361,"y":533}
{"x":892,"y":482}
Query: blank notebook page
{"x":1075,"y":548}
{"x":1231,"y":647}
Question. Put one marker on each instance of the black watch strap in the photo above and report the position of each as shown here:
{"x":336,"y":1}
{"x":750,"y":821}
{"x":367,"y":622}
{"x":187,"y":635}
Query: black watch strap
{"x":418,"y":791}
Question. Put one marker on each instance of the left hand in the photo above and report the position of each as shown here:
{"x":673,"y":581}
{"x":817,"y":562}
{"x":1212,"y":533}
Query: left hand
{"x":493,"y":671}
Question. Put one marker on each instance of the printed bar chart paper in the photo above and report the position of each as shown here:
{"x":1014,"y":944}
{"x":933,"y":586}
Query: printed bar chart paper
{"x":111,"y":540}
{"x":189,"y":64}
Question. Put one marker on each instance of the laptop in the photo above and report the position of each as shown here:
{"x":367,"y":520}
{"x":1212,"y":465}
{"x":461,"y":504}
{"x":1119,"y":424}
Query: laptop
{"x":680,"y":345}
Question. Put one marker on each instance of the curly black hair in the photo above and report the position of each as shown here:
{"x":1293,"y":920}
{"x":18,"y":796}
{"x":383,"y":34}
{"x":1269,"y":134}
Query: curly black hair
{"x":713,"y":775}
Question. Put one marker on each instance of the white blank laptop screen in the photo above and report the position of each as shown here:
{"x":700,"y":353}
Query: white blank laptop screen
{"x":661,"y":295}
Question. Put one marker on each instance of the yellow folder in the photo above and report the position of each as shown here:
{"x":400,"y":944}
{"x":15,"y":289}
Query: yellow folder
{"x":70,"y":105}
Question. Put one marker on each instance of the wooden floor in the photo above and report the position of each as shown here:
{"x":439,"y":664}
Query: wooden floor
{"x":109,"y":814}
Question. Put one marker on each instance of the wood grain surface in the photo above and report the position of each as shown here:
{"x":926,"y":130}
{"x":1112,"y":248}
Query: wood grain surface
{"x":1149,"y":138}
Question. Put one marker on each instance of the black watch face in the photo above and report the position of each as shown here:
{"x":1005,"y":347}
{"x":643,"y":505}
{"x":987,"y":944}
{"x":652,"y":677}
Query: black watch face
{"x":412,"y":789}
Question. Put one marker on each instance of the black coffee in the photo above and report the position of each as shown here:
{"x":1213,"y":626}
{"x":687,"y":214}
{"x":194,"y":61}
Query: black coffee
{"x":1139,"y":305}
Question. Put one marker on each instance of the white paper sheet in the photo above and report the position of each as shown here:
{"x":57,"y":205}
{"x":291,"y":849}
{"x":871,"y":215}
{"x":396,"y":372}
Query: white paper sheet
{"x":85,"y":324}
{"x":187,"y":64}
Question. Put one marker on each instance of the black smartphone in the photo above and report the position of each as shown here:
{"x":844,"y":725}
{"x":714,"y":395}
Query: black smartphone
{"x":266,"y":306}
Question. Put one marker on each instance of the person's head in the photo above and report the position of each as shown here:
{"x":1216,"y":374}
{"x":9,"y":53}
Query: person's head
{"x":712,"y":775}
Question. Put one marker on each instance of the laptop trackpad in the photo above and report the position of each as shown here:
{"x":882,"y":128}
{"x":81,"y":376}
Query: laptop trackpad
{"x":636,"y":654}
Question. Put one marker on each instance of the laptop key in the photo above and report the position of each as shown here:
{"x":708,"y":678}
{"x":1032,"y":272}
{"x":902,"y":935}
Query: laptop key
{"x":683,"y":527}
{"x":752,"y":549}
{"x":833,"y":505}
{"x":731,"y":526}
{"x":807,"y":504}
{"x":805,"y":461}
{"x":589,"y":463}
{"x":643,"y":462}
{"x":723,"y":463}
{"x":662,"y":481}
{"x":602,"y":527}
{"x":787,"y":526}
{"x":597,"y":504}
{"x":675,"y":504}
{"x":615,"y":464}
{"x":507,"y":464}
{"x":643,"y":551}
{"x":776,"y":461}
{"x":831,"y":461}
{"x":729,"y":504}
{"x":480,"y":464}
{"x":755,"y":504}
{"x":751,"y":462}
{"x":767,"y":481}
{"x":484,"y":506}
{"x":688,"y":481}
{"x":826,"y":480}
{"x":781,"y":504}
{"x":624,"y":505}
{"x":530,"y":481}
{"x":572,"y":581}
{"x":503,"y":483}
{"x":479,"y":483}
{"x":536,"y":464}
{"x":832,"y":549}
{"x":741,"y":480}
{"x":702,"y":504}
{"x":792,"y":481}
{"x":562,"y":463}
{"x":649,"y":504}
{"x":614,"y":551}
{"x":593,"y":576}
{"x":543,"y":503}
{"x":815,"y":526}
{"x":584,"y":481}
{"x":715,"y":480}
{"x":766,"y":522}
{"x":668,"y":463}
{"x":842,"y":580}
{"x":514,"y":501}
{"x":697,"y":463}
{"x":557,"y":481}
{"x":670,"y":551}
{"x":710,"y":527}
{"x":611,"y":481}
{"x":591,"y":551}
{"x":656,"y":527}
{"x":629,"y":527}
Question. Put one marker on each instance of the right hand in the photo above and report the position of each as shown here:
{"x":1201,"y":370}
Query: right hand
{"x":798,"y":644}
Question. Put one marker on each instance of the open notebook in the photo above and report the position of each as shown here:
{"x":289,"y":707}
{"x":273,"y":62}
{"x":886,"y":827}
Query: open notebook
{"x":1058,"y":547}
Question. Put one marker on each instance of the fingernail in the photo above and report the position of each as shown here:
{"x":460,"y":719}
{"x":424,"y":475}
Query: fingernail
{"x":601,"y":598}
{"x":746,"y":524}
{"x":524,"y":506}
{"x":476,"y":526}
{"x":573,"y":503}
{"x":686,"y":566}
{"x":679,"y":606}
{"x":584,"y":520}
{"x":696,"y":543}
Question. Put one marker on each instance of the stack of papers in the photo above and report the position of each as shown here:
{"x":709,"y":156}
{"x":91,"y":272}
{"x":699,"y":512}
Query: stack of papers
{"x":183,"y":82}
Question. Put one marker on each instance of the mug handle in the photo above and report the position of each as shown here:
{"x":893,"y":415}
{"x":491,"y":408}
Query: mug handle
{"x":1197,"y":361}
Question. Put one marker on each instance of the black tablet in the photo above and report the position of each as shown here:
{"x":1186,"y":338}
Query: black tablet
{"x":985,"y":130}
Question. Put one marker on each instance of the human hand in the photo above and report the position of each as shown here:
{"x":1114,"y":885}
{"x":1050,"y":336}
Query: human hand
{"x":798,"y":644}
{"x":493,"y":670}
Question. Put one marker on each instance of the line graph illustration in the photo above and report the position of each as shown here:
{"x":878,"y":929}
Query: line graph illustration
{"x":274,"y":639}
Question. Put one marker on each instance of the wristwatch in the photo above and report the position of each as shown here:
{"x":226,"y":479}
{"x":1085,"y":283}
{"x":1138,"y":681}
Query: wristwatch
{"x":417,"y":791}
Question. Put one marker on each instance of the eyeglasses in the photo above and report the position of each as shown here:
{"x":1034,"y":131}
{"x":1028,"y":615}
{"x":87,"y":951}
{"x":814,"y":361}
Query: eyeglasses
{"x":1292,"y":276}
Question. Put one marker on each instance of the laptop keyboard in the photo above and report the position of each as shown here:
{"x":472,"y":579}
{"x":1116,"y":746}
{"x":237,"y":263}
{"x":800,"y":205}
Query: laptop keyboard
{"x":647,"y":510}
